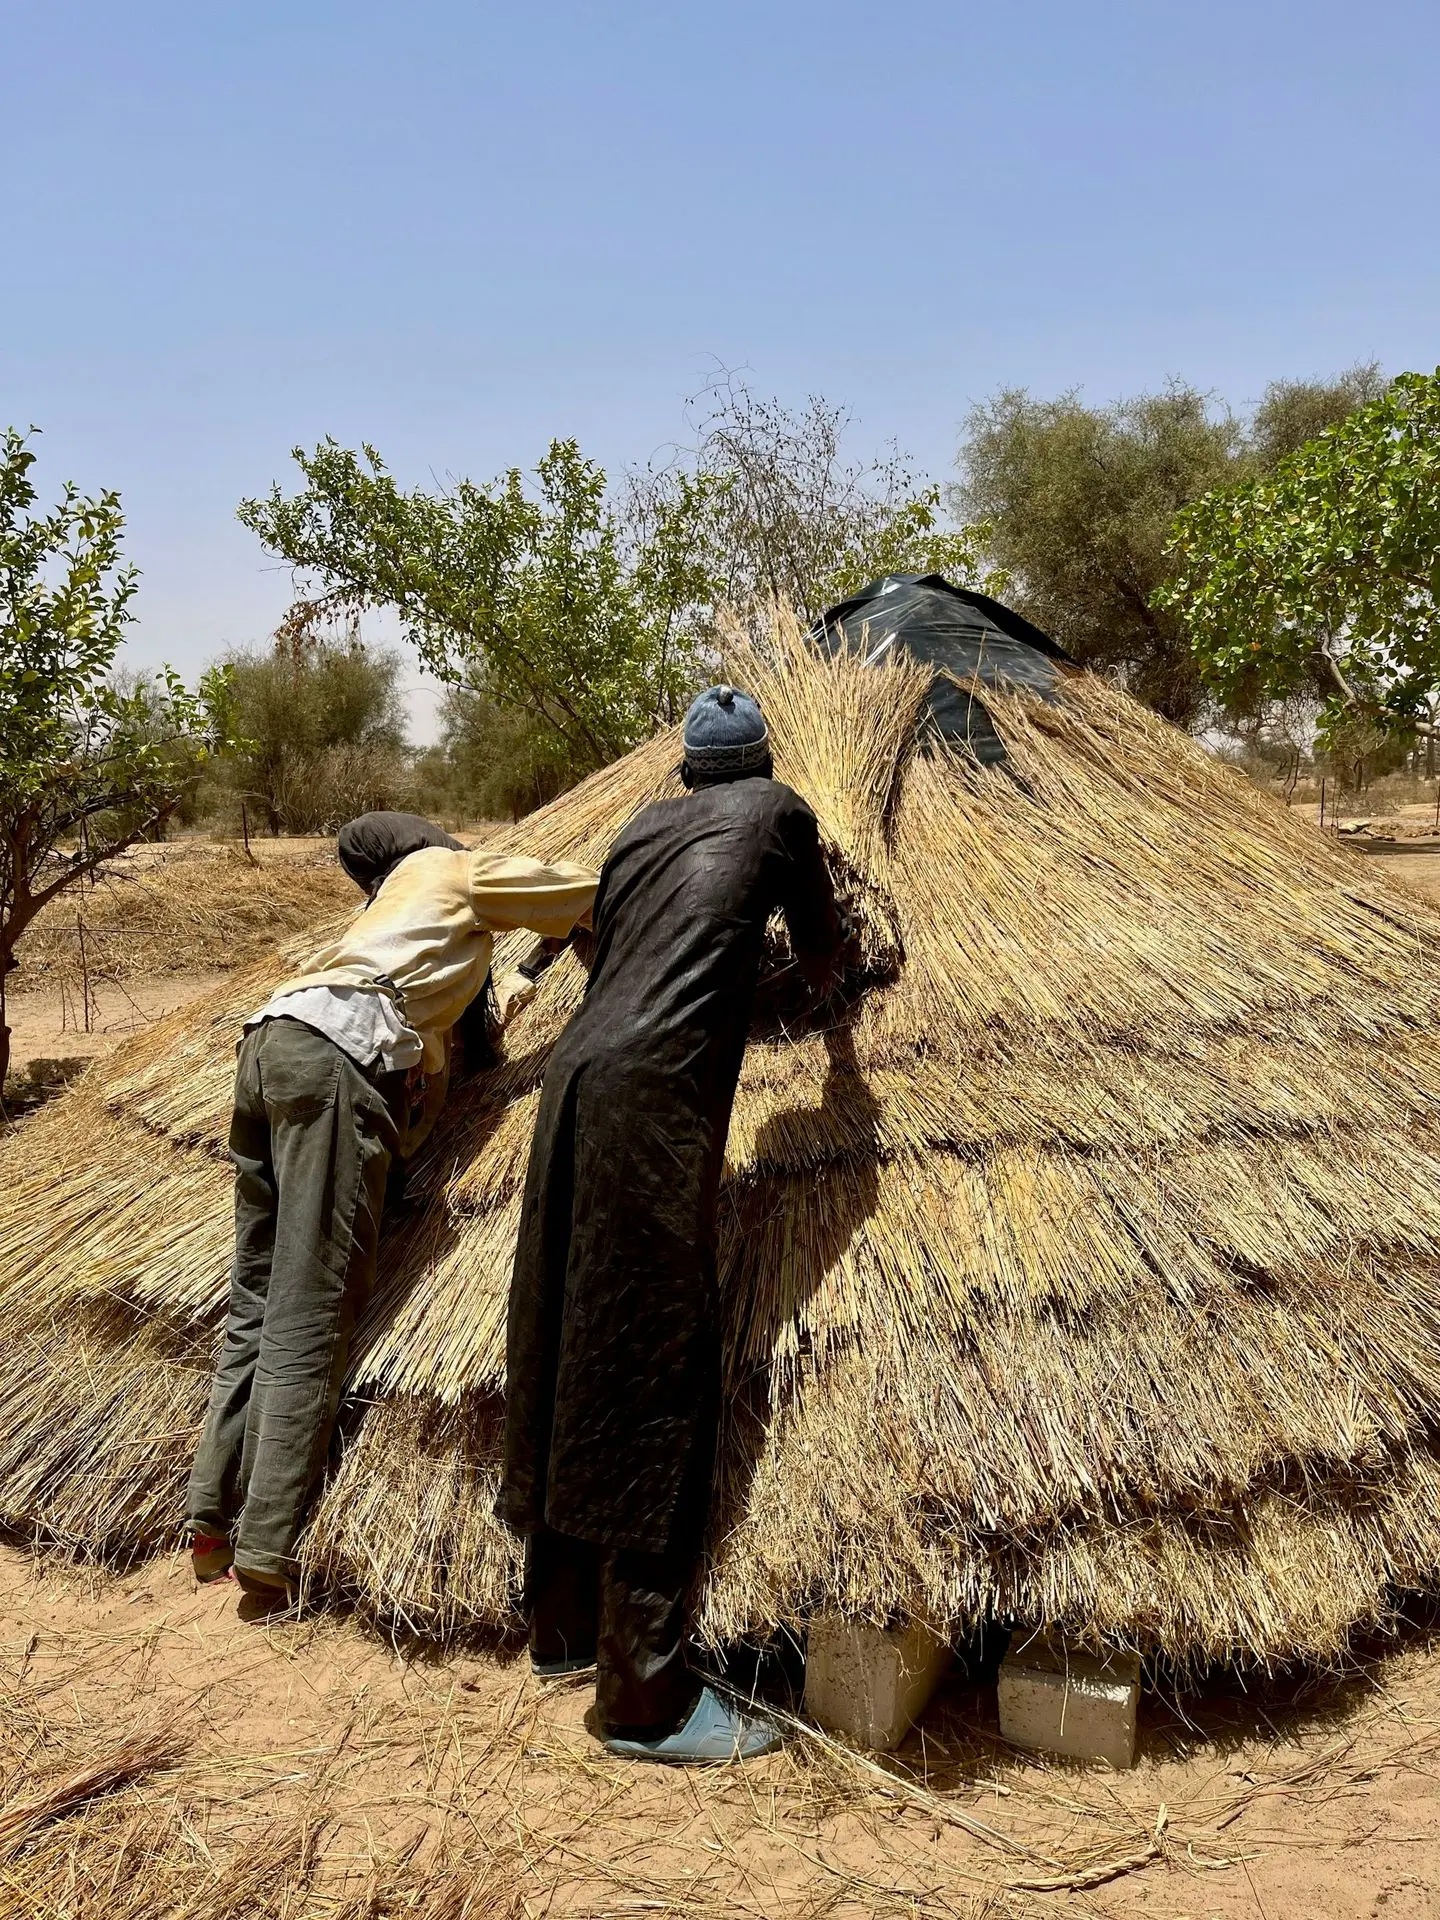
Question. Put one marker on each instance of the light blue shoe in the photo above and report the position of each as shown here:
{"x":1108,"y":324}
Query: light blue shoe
{"x":714,"y":1733}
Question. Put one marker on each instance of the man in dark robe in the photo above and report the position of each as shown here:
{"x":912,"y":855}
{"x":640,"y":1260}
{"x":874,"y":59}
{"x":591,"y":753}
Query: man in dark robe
{"x":613,"y":1348}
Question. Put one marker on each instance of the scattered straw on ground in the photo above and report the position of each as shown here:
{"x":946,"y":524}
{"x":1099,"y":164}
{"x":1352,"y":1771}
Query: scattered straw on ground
{"x":188,"y":906}
{"x":308,"y":1772}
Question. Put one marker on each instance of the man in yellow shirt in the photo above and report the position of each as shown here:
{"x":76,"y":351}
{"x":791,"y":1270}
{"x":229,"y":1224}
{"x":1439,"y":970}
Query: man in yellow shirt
{"x":325,"y":1102}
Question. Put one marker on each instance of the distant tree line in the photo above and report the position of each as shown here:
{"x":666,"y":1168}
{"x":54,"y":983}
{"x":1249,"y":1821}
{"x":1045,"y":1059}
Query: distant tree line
{"x":568,"y":617}
{"x":1271,"y":579}
{"x":1261,"y":577}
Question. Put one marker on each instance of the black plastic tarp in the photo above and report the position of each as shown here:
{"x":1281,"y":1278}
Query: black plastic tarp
{"x":964,"y":634}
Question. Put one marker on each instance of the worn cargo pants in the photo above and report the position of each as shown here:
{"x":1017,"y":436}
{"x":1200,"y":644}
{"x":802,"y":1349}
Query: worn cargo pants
{"x":312,"y":1139}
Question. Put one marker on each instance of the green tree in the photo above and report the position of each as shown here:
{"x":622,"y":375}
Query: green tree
{"x":1294,"y":411}
{"x":1080,"y":503}
{"x":491,"y":762}
{"x":1325,"y":574}
{"x":324,"y":728}
{"x":87,"y":764}
{"x":536,"y":598}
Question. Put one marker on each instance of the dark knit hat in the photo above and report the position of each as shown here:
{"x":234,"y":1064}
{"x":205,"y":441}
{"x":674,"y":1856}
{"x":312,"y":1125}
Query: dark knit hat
{"x":725,"y":732}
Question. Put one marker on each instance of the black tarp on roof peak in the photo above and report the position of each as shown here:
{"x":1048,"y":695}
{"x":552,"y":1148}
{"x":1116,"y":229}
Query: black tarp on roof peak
{"x":962,"y":633}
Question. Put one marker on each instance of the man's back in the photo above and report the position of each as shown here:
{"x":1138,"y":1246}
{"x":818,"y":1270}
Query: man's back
{"x":680,"y":919}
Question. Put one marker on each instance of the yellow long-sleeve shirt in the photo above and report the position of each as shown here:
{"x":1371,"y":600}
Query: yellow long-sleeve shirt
{"x":426,"y":937}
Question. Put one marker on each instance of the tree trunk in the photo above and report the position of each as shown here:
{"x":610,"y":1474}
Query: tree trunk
{"x":5,"y":951}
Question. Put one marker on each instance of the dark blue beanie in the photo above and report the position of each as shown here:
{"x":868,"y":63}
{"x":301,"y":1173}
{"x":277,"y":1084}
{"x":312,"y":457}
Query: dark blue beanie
{"x":725,"y":732}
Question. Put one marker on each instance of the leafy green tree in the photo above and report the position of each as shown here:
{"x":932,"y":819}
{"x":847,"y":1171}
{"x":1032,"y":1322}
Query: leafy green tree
{"x":1080,"y":502}
{"x":535,"y":598}
{"x":1326,"y":573}
{"x":87,"y":764}
{"x":324,"y":728}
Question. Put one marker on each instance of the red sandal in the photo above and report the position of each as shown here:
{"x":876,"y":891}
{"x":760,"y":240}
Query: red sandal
{"x":211,"y":1557}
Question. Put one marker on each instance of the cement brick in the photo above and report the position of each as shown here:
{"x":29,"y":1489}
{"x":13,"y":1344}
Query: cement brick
{"x":1059,"y":1699}
{"x":868,"y":1684}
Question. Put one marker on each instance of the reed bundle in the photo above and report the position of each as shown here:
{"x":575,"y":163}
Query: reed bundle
{"x":1087,"y":1268}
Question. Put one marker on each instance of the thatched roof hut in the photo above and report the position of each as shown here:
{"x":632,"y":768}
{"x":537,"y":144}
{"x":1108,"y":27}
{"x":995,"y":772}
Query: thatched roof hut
{"x":1088,"y":1271}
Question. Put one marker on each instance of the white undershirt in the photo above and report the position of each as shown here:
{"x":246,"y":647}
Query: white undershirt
{"x":362,"y":1022}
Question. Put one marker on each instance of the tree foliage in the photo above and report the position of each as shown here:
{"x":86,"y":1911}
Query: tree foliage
{"x":1080,"y":502}
{"x":793,"y":516}
{"x":323,"y":723}
{"x":87,"y":763}
{"x":533,"y":596}
{"x":490,"y":763}
{"x":1326,"y":572}
{"x":587,"y":614}
{"x":1294,"y":411}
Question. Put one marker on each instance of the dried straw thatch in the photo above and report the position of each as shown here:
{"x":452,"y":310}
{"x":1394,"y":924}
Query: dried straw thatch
{"x":1089,"y":1270}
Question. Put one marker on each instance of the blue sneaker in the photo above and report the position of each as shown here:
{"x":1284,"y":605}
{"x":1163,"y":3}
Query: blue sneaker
{"x":714,"y":1733}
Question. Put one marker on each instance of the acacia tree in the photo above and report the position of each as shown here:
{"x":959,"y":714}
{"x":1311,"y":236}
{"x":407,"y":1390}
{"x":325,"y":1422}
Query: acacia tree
{"x":535,"y":597}
{"x":324,"y":723}
{"x":87,"y":765}
{"x":1080,"y":501}
{"x":1325,"y":574}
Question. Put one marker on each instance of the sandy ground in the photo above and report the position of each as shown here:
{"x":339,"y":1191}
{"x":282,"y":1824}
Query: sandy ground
{"x":1320,"y":1799}
{"x":1420,"y":870}
{"x":50,"y":1024}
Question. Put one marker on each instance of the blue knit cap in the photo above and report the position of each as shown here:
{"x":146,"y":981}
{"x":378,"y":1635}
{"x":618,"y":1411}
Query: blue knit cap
{"x":725,"y":732}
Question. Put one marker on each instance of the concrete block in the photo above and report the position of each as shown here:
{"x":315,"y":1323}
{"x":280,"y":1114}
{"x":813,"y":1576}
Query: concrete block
{"x":1061,"y":1700}
{"x":868,"y":1684}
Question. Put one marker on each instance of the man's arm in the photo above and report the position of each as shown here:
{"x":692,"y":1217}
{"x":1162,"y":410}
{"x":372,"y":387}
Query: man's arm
{"x":508,"y":890}
{"x":817,"y":928}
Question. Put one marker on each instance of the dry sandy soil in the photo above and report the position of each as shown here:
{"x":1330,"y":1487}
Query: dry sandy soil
{"x":414,"y":1774}
{"x":305,"y":1768}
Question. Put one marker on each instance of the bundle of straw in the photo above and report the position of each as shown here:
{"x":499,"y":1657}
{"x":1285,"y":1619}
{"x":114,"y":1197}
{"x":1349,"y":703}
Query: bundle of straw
{"x":1088,"y":1270}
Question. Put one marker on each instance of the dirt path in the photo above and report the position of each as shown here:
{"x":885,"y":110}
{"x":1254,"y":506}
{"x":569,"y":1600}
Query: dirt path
{"x":1321,"y":1802}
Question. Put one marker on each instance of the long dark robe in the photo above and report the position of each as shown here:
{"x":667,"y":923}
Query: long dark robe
{"x":613,"y":1339}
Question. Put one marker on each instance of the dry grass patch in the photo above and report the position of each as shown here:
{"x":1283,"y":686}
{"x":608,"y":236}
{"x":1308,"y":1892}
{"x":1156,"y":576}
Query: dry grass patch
{"x":188,"y":906}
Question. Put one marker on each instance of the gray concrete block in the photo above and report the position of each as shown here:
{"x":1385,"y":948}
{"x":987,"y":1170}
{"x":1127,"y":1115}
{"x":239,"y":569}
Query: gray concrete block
{"x":1059,"y":1699}
{"x":868,"y":1684}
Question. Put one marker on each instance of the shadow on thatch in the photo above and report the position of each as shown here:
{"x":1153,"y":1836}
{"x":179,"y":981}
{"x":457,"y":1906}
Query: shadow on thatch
{"x":30,"y":1087}
{"x":418,"y":1236}
{"x":762,"y":1312}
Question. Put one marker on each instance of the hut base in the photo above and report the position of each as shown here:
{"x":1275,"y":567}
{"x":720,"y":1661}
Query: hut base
{"x":1057,"y":1698}
{"x":868,"y":1684}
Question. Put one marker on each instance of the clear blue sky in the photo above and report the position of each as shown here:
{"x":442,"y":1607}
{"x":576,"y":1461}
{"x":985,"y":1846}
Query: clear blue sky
{"x":456,"y":228}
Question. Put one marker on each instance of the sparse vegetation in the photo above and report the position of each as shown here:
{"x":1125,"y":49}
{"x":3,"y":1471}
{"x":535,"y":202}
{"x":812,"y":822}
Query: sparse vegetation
{"x":323,"y":725}
{"x":86,"y":767}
